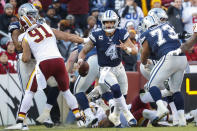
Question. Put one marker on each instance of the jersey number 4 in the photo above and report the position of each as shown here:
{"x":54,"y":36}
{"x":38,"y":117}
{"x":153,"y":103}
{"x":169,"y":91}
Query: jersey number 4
{"x":159,"y":32}
{"x":112,"y":52}
{"x":36,"y":32}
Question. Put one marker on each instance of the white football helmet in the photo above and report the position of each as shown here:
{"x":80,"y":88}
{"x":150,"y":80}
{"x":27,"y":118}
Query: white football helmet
{"x":27,"y":15}
{"x":109,"y":15}
{"x":148,"y":22}
{"x":158,"y":14}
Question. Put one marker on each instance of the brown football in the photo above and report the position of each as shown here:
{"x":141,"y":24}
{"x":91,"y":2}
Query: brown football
{"x":83,"y":69}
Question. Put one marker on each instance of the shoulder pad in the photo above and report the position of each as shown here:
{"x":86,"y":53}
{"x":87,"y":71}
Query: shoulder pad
{"x":13,"y":26}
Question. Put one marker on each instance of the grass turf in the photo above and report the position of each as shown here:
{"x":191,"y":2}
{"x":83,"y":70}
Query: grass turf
{"x":190,"y":127}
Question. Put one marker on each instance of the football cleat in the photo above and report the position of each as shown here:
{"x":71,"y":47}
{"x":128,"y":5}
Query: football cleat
{"x":115,"y":119}
{"x":48,"y":123}
{"x":80,"y":121}
{"x":44,"y":116}
{"x":130,"y":118}
{"x":90,"y":121}
{"x":132,"y":122}
{"x":25,"y":127}
{"x":17,"y":126}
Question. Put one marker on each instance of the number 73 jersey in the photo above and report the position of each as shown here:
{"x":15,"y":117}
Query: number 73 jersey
{"x":109,"y":54}
{"x":42,"y":42}
{"x":161,"y":40}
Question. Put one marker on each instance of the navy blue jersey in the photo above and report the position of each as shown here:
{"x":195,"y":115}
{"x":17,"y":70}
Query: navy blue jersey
{"x":108,"y":53}
{"x":161,"y":40}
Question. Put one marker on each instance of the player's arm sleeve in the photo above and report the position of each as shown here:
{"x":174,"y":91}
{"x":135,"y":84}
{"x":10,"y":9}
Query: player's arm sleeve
{"x":60,"y":35}
{"x":71,"y":60}
{"x":87,"y":47}
{"x":26,"y":51}
{"x":92,"y":38}
{"x":145,"y":52}
{"x":13,"y":26}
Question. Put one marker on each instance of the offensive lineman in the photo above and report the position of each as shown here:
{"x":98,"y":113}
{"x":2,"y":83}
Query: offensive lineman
{"x":157,"y":42}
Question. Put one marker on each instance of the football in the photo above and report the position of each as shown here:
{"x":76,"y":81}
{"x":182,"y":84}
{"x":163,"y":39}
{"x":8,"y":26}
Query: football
{"x":83,"y":69}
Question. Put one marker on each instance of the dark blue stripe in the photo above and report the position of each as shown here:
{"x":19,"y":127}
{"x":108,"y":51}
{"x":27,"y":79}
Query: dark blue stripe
{"x":156,"y":72}
{"x":107,"y":84}
{"x":76,"y":83}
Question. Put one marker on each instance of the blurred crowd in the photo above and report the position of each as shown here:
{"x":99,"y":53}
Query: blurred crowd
{"x":82,"y":16}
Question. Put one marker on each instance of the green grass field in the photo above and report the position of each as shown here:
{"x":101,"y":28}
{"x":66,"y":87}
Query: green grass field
{"x":191,"y":127}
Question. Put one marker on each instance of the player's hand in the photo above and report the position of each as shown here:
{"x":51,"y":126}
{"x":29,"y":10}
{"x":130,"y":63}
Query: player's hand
{"x":79,"y":62}
{"x":122,"y":45}
{"x":175,"y":52}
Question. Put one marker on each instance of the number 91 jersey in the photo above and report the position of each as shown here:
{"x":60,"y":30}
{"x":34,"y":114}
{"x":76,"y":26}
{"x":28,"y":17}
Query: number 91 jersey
{"x":42,"y":42}
{"x":108,"y":52}
{"x":161,"y":40}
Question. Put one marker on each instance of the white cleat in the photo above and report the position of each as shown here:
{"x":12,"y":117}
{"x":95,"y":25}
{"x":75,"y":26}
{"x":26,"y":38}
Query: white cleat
{"x":18,"y":126}
{"x":44,"y":116}
{"x":161,"y":112}
{"x":115,"y":119}
{"x":25,"y":127}
{"x":90,"y":121}
{"x":130,"y":118}
{"x":80,"y":121}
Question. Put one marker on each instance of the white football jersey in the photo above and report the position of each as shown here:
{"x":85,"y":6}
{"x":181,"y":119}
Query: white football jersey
{"x":42,"y":42}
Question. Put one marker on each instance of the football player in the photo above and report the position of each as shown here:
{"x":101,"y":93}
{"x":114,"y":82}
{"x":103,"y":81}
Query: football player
{"x":109,"y":41}
{"x":40,"y":40}
{"x":157,"y":41}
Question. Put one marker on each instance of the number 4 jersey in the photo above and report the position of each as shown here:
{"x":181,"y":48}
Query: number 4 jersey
{"x":42,"y":42}
{"x":161,"y":40}
{"x":108,"y":52}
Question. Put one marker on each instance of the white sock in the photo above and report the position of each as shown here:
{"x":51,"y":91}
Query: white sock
{"x":174,"y":111}
{"x":27,"y":101}
{"x":70,"y":99}
{"x":121,"y":103}
{"x":72,"y":102}
{"x":146,"y":97}
{"x":149,"y":114}
{"x":181,"y":114}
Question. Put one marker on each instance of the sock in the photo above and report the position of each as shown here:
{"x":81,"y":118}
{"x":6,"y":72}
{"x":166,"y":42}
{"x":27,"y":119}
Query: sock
{"x":107,"y":96}
{"x":122,"y":103}
{"x":174,"y":111}
{"x":52,"y":95}
{"x":155,"y":93}
{"x":146,"y":97}
{"x":178,"y":101}
{"x":82,"y":100}
{"x":181,"y":114}
{"x":112,"y":105}
{"x":149,"y":114}
{"x":72,"y":102}
{"x":116,"y":91}
{"x":26,"y":104}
